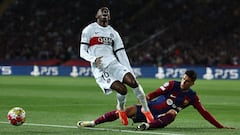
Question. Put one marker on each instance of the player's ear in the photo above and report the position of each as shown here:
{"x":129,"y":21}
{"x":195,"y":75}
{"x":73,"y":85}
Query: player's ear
{"x":96,"y":16}
{"x":98,"y":13}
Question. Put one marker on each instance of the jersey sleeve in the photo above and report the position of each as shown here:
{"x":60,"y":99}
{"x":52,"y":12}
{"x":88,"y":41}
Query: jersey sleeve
{"x":84,"y":43}
{"x":161,"y":90}
{"x":205,"y":114}
{"x":120,"y":52}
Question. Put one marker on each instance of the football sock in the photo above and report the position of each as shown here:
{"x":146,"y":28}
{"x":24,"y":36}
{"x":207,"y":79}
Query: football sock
{"x":141,"y":97}
{"x":138,"y":91}
{"x":107,"y":117}
{"x":162,"y":121}
{"x":121,"y":100}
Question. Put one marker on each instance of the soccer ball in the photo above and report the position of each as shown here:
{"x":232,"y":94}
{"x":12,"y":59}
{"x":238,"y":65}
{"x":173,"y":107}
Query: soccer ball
{"x":16,"y":116}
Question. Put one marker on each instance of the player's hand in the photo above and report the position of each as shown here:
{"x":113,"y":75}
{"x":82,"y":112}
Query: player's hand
{"x":98,"y":61}
{"x":148,"y":98}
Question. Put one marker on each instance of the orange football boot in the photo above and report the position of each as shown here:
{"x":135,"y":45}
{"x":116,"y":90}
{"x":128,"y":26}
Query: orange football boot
{"x":148,"y":116}
{"x":123,"y":117}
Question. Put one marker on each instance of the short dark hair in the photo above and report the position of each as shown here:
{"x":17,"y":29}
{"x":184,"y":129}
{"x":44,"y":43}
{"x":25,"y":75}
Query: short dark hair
{"x":192,"y":74}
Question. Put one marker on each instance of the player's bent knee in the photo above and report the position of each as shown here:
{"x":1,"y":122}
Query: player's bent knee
{"x":119,"y":87}
{"x":130,"y":80}
{"x":133,"y":83}
{"x":162,"y":121}
{"x":166,"y":118}
{"x":172,"y":112}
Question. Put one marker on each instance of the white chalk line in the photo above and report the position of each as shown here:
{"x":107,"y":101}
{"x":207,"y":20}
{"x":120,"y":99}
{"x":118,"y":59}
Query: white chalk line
{"x":97,"y":129}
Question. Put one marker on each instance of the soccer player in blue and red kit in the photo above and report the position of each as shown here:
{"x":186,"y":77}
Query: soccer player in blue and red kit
{"x":165,"y":103}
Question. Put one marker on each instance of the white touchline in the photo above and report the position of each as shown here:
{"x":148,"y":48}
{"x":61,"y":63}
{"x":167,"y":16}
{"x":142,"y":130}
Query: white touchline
{"x":98,"y":129}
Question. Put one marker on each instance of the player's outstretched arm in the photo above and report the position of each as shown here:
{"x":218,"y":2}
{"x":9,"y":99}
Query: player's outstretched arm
{"x":207,"y":116}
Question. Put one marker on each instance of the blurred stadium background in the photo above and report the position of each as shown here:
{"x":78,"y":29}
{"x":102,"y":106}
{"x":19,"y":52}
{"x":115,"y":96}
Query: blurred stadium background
{"x":155,"y":32}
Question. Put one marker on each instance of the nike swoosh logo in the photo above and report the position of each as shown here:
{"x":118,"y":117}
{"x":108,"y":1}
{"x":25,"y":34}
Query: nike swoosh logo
{"x":172,"y":96}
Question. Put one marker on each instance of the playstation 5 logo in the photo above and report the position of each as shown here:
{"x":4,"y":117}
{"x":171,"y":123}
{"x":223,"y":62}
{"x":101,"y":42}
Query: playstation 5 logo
{"x":80,"y":71}
{"x":209,"y":74}
{"x":74,"y":72}
{"x":35,"y":71}
{"x":44,"y":70}
{"x":160,"y":74}
{"x":170,"y":72}
{"x":5,"y":70}
{"x":220,"y":73}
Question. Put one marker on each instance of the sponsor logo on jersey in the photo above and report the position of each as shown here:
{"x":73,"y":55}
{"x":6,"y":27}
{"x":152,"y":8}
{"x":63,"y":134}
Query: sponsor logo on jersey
{"x":169,"y":102}
{"x":100,"y":41}
{"x":172,"y":96}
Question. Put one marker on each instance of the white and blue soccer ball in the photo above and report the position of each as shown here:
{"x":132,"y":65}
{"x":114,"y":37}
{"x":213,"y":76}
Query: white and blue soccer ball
{"x":16,"y":116}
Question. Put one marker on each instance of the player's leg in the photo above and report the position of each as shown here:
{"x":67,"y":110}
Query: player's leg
{"x":108,"y":117}
{"x":108,"y":83}
{"x":130,"y":80}
{"x":113,"y":115}
{"x":121,"y":73}
{"x":162,"y":121}
{"x":121,"y":90}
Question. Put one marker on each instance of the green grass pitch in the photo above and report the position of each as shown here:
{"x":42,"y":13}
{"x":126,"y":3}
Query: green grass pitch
{"x":55,"y":104}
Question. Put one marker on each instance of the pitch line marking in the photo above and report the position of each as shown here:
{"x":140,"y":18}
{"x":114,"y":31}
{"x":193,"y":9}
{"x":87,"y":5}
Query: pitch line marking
{"x":98,"y":129}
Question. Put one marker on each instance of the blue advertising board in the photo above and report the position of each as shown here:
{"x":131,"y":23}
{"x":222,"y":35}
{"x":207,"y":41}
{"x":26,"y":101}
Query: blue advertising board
{"x":207,"y":73}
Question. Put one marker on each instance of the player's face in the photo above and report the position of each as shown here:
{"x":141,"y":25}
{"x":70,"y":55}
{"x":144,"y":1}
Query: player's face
{"x":103,"y":14}
{"x":186,"y":82}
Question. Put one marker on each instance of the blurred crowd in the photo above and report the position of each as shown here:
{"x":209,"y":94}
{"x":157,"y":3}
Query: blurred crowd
{"x":155,"y":32}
